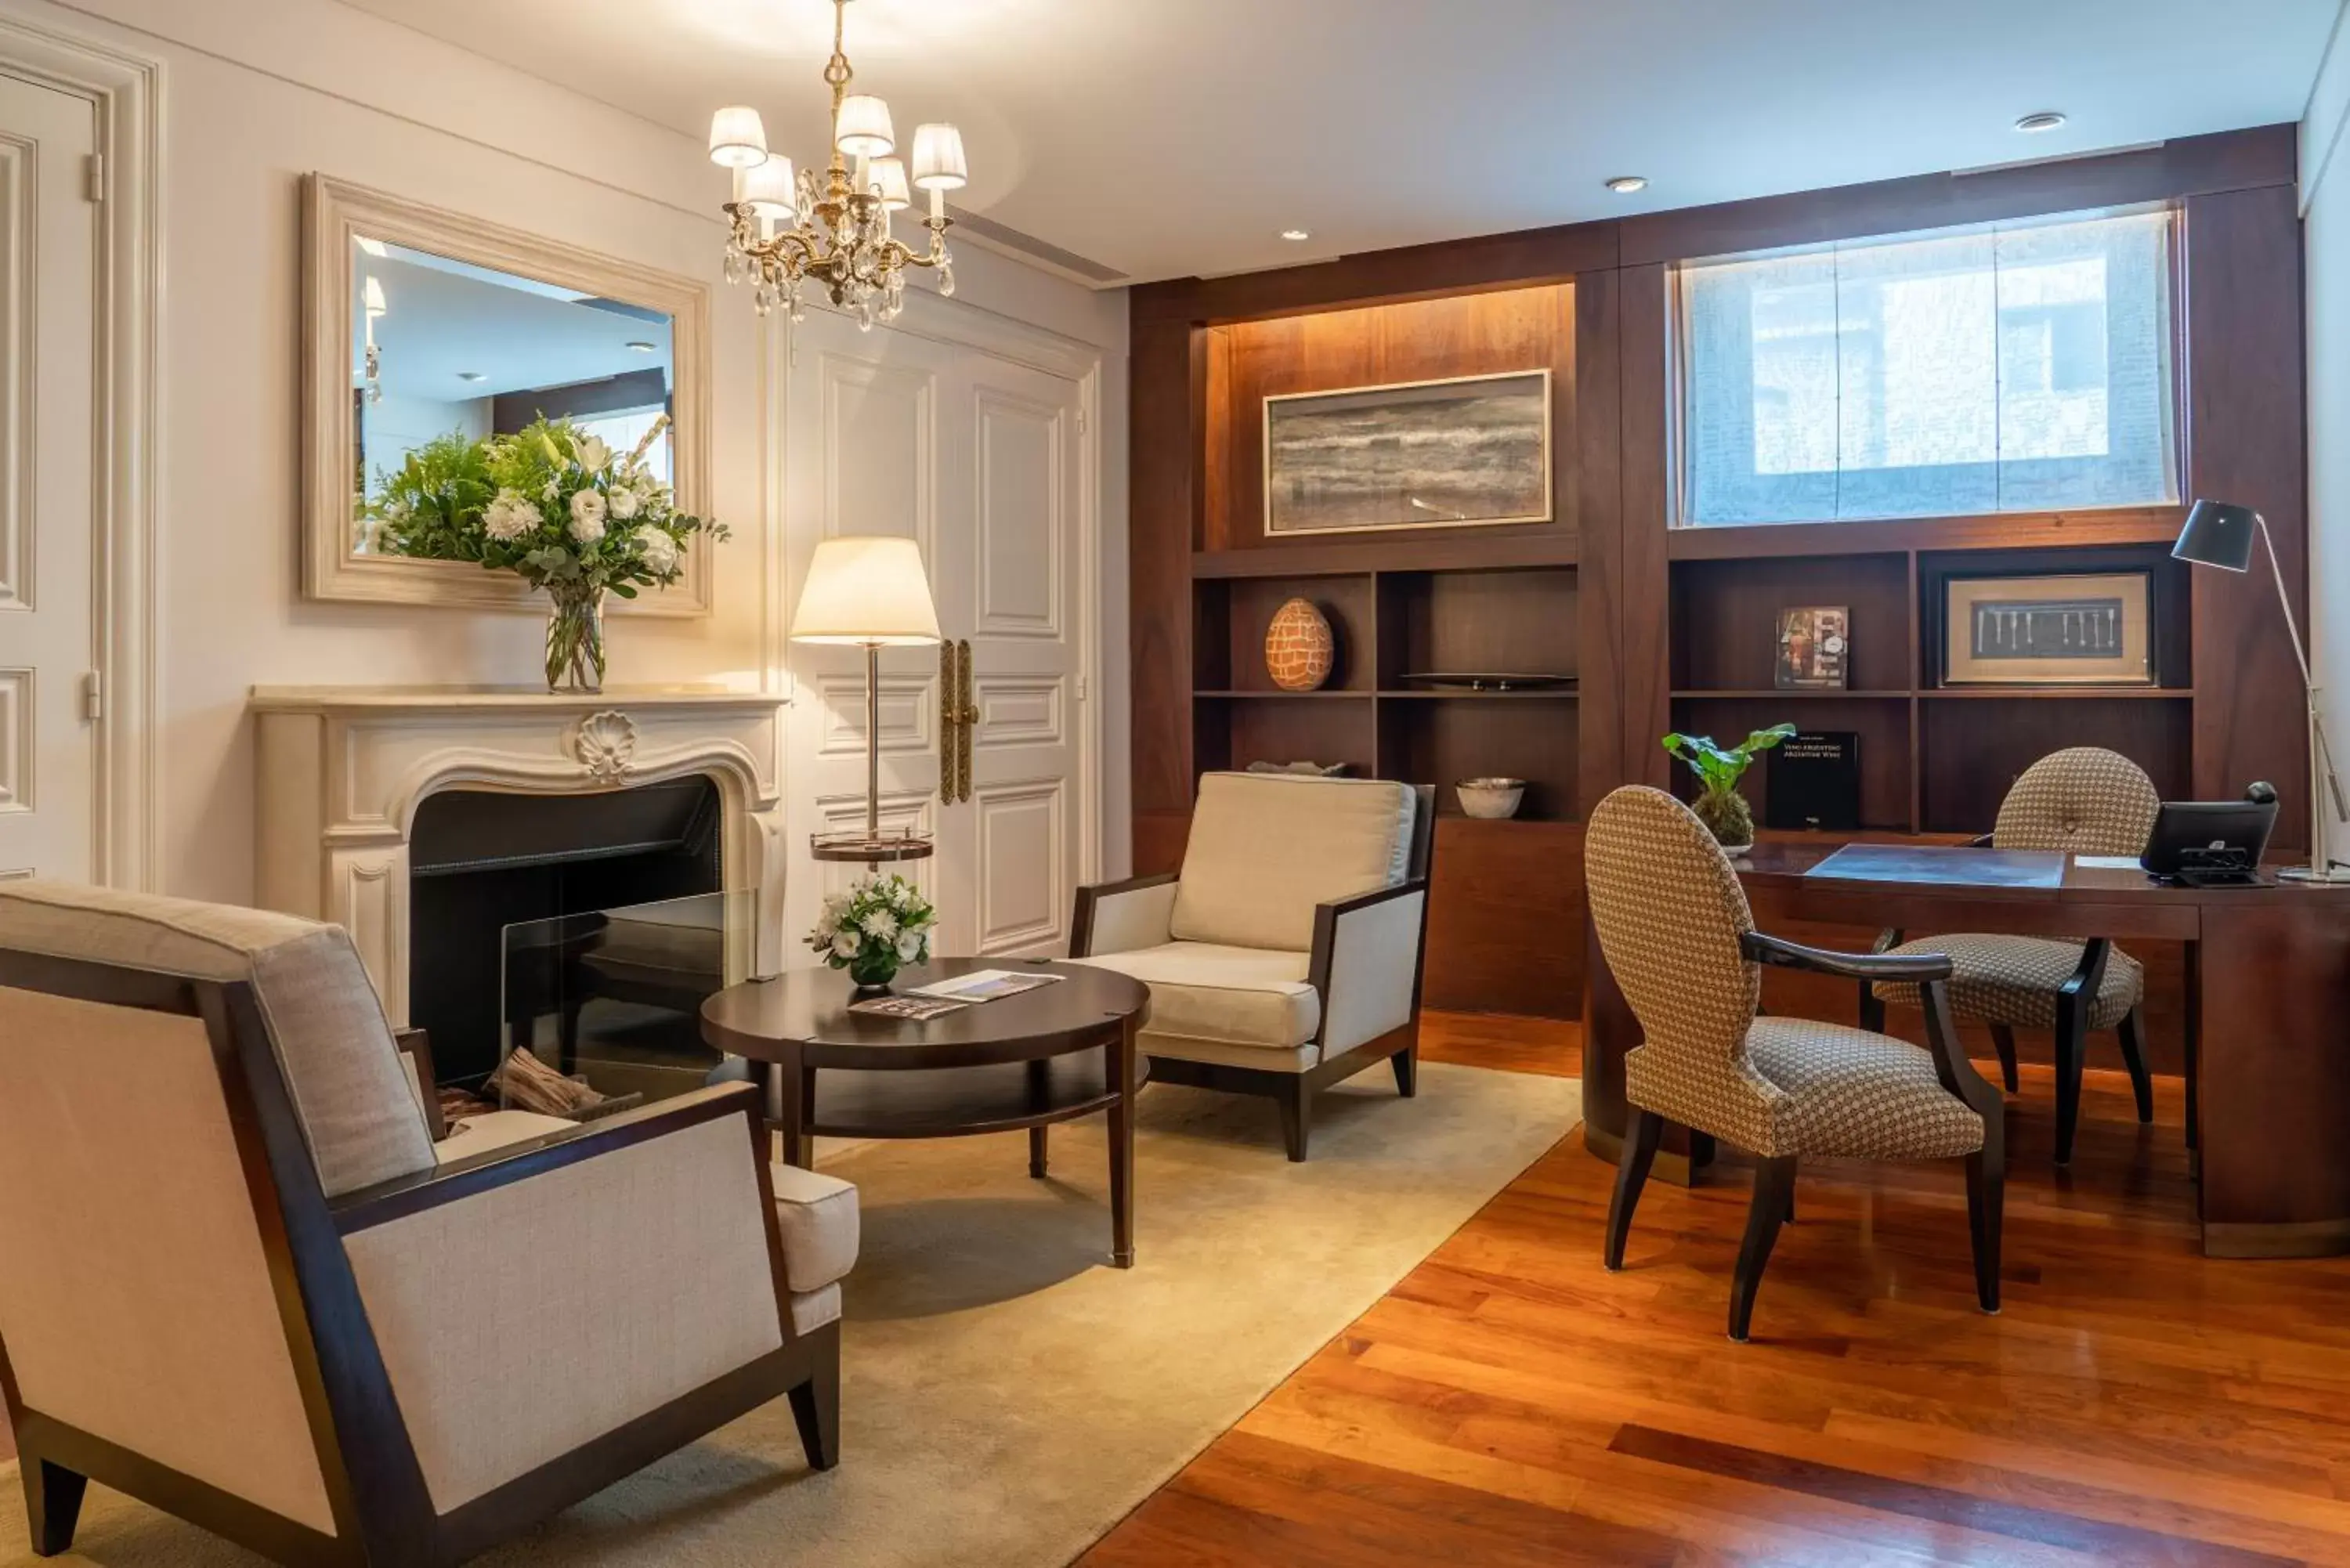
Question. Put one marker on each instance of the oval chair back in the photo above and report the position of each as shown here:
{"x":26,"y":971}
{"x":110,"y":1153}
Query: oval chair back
{"x":2084,"y":800}
{"x":1669,"y":913}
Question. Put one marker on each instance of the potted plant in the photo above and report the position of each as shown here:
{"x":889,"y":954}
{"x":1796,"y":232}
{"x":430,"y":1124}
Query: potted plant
{"x":555,"y":506}
{"x":878,"y":924}
{"x":1718,"y":805}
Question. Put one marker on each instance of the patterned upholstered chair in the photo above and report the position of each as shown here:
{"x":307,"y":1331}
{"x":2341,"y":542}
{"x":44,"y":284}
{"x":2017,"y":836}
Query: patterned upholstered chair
{"x":1680,"y":942}
{"x":239,"y":1282}
{"x":1287,"y":955}
{"x":2081,"y":800}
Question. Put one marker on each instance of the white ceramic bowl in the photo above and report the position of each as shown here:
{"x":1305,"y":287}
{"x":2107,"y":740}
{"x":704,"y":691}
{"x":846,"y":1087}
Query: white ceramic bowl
{"x":1491,"y":798}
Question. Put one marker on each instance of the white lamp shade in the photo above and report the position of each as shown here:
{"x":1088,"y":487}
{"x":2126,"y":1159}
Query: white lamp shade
{"x":938,"y":158}
{"x":737,"y":140}
{"x":889,"y":174}
{"x":767,"y":187}
{"x":372,"y":293}
{"x":867,"y":590}
{"x":863,"y":129}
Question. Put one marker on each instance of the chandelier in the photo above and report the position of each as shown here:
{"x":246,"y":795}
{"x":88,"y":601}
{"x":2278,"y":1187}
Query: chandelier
{"x":833,"y":229}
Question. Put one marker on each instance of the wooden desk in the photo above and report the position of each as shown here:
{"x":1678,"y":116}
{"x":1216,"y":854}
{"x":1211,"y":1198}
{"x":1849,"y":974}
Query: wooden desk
{"x":2268,"y":1004}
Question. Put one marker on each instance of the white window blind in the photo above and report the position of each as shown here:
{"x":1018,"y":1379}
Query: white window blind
{"x":1996,"y":370}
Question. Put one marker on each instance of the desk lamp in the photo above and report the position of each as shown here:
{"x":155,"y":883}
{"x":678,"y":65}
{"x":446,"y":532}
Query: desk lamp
{"x":869,"y":593}
{"x":2220,"y":533}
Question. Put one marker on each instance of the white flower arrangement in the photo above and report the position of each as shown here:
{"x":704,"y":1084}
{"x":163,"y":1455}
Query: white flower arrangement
{"x":881,"y":922}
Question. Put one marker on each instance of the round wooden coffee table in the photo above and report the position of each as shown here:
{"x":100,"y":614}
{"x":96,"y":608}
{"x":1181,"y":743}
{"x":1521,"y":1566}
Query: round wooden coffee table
{"x":1045,"y":1056}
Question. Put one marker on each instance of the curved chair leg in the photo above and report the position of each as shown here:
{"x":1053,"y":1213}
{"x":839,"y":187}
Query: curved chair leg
{"x":1774,"y":1185}
{"x":1632,"y":1162}
{"x":2072,"y":1029}
{"x":2132,"y":1035}
{"x":2003,"y":1041}
{"x":1986,"y":1202}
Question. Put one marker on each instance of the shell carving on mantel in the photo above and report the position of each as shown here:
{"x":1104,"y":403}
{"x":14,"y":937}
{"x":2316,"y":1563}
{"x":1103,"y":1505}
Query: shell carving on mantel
{"x":606,"y":745}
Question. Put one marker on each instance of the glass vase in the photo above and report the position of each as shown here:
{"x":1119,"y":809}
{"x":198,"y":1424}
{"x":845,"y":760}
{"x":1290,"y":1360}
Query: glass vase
{"x":575,"y":638}
{"x":874,"y":967}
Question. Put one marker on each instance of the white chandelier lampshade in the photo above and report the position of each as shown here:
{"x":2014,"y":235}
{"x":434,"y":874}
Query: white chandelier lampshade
{"x":867,"y":591}
{"x":372,"y":296}
{"x":768,"y":187}
{"x":863,"y":128}
{"x":938,"y":158}
{"x":890,"y":178}
{"x":737,"y":138}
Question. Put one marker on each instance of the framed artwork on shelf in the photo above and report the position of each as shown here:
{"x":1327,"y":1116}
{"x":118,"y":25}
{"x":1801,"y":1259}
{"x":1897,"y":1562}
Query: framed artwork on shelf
{"x":1813,"y":645}
{"x":1470,"y":451}
{"x":2059,"y":630}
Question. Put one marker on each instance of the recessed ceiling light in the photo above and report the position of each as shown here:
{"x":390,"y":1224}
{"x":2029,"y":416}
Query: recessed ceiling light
{"x":1624,"y":185}
{"x":1296,"y":234}
{"x":2046,"y":119}
{"x":470,"y":376}
{"x":641,"y":346}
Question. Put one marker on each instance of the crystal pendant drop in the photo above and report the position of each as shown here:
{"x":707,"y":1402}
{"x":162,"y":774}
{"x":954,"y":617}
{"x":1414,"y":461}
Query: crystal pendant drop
{"x":946,"y":278}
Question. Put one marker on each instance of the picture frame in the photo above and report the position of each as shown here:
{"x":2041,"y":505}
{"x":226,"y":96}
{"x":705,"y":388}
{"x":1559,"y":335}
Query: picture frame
{"x":1814,"y":648}
{"x":1463,"y":451}
{"x":2065,"y":628}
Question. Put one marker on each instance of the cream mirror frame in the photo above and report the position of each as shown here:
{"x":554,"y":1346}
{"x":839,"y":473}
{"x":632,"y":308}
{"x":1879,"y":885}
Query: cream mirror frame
{"x":335,"y":216}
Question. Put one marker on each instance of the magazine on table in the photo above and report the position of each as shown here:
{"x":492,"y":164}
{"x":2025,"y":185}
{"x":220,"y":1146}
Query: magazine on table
{"x":985,"y":984}
{"x":918,"y":1008}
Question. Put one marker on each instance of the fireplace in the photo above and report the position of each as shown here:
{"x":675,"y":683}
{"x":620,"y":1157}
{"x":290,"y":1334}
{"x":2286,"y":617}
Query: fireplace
{"x":427,"y":820}
{"x":480,"y":862}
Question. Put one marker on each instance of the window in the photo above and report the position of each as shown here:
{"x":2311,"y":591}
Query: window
{"x":2017,"y":368}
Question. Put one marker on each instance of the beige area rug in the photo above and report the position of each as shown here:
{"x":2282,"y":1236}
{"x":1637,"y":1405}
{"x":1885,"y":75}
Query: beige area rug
{"x":1007,"y":1396}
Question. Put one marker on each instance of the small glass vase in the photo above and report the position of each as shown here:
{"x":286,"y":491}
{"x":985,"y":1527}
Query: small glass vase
{"x":874,"y":967}
{"x":575,"y":638}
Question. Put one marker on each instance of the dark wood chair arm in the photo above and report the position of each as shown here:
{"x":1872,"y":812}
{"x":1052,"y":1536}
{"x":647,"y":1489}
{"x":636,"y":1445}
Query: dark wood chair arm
{"x":1785,"y":954}
{"x":1328,"y":913}
{"x":1089,"y":898}
{"x":2089,"y":974}
{"x":492,"y":1168}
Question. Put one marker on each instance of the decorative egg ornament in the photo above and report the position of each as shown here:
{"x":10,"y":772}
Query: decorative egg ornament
{"x":1298,"y":648}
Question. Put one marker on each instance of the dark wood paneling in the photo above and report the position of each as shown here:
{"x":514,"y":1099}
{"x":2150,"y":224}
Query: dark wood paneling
{"x":2189,"y":166}
{"x":1973,"y":749}
{"x":1482,"y":902}
{"x":2244,"y":443}
{"x":1514,"y":622}
{"x":1162,"y":464}
{"x":2007,"y":530}
{"x":1882,"y":724}
{"x":1469,"y":335}
{"x":1725,"y":617}
{"x":1599,"y":522}
{"x":1375,"y":277}
{"x":1646,"y":666}
{"x":1242,"y":609}
{"x":1441,"y":741}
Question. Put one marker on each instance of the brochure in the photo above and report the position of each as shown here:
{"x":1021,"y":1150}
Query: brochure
{"x":985,"y":984}
{"x":915,"y":1007}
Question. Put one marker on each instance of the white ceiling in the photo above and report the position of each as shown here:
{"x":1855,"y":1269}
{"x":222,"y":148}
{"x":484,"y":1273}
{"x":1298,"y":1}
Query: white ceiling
{"x":444,"y":320}
{"x":1163,"y":137}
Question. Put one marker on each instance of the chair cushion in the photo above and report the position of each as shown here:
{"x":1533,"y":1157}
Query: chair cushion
{"x":2014,"y":980}
{"x":1233,"y":995}
{"x":1853,"y":1094}
{"x":1266,"y":849}
{"x":356,"y":1099}
{"x":817,"y":1216}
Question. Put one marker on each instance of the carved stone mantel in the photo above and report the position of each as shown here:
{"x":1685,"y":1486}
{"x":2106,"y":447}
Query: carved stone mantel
{"x":342,"y":769}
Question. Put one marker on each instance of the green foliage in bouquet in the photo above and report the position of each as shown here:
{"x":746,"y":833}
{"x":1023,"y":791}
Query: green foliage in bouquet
{"x":550,"y":503}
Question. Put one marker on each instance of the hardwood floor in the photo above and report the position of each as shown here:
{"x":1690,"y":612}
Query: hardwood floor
{"x":1512,"y":1403}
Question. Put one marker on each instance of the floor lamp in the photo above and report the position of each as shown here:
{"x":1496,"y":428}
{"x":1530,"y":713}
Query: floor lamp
{"x":869,"y":593}
{"x":2220,"y":533}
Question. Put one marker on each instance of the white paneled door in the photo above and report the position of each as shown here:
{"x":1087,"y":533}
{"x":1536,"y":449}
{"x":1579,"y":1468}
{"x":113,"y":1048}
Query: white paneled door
{"x":977,"y":458}
{"x":49,"y":250}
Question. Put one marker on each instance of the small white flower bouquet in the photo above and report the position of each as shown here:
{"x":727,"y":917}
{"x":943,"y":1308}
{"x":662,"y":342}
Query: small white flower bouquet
{"x":878,"y":924}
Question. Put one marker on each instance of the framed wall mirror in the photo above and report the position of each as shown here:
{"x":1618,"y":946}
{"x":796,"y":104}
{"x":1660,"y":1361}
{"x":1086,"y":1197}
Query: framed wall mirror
{"x":419,"y":324}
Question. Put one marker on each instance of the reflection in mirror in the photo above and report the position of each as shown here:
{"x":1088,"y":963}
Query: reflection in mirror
{"x":444,"y":353}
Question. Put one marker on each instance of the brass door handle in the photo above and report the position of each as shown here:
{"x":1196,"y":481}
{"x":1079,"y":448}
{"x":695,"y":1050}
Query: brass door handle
{"x":958,"y":718}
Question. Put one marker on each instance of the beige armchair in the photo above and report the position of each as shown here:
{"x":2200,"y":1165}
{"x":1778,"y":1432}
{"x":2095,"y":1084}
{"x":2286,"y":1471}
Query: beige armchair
{"x":239,"y":1282}
{"x":1286,"y":954}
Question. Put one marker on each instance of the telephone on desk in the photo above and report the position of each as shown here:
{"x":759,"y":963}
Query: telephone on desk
{"x":2212,"y":843}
